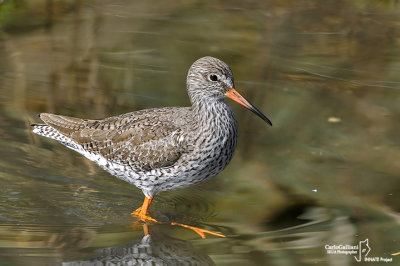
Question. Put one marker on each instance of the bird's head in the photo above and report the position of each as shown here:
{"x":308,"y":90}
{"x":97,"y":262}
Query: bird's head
{"x":210,"y":79}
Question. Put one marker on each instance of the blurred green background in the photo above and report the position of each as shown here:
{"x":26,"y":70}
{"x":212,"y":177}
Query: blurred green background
{"x":328,"y":172}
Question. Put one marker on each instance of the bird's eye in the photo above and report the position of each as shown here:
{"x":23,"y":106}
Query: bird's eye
{"x":213,"y":77}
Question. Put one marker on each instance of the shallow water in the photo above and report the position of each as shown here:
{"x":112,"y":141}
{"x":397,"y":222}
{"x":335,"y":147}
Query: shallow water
{"x":327,"y":173}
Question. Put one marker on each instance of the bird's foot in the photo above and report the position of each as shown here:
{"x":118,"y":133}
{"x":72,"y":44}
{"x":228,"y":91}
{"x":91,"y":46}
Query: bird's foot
{"x":143,"y":216}
{"x":201,"y":232}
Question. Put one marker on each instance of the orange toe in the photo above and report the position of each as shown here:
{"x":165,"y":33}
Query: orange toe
{"x":199,"y":231}
{"x":143,"y":216}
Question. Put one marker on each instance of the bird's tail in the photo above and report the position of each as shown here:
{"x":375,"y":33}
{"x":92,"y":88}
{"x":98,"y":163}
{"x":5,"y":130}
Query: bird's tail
{"x":49,"y":132}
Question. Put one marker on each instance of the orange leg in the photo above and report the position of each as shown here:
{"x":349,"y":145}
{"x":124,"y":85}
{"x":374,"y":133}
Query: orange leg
{"x":142,"y":212}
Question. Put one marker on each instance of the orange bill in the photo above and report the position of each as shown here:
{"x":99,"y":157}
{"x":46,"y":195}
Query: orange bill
{"x":234,"y":95}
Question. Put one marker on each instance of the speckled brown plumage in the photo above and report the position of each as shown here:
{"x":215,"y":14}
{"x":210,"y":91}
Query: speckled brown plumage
{"x":143,"y":140}
{"x":164,"y":148}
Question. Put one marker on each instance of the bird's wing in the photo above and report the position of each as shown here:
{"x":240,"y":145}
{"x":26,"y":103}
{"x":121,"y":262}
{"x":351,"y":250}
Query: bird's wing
{"x":143,"y":140}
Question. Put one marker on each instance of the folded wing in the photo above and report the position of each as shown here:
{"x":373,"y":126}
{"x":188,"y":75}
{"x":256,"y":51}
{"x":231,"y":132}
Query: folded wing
{"x":140,"y":140}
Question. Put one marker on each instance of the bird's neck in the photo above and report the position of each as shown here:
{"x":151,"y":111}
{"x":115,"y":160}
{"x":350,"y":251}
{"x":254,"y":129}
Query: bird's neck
{"x":215,"y":113}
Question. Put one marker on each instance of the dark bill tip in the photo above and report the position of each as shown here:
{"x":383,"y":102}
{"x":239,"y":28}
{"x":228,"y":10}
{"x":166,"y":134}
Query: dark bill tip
{"x":259,"y":114}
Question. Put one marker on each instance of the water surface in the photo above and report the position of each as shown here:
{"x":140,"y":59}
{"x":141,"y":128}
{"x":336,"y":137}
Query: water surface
{"x":327,"y":173}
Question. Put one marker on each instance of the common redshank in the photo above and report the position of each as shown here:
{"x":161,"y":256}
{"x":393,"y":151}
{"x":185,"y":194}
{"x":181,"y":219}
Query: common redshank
{"x":162,"y":148}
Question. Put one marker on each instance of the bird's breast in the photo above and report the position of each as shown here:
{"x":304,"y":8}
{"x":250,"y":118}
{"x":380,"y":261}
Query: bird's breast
{"x":216,"y":140}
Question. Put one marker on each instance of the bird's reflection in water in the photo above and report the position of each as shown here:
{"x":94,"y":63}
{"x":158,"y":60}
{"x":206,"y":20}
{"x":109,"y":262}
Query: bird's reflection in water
{"x":155,"y":248}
